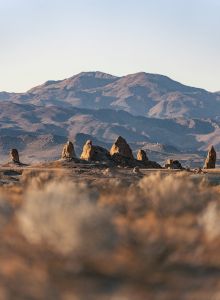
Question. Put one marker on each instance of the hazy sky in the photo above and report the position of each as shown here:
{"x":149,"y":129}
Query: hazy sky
{"x":55,"y":39}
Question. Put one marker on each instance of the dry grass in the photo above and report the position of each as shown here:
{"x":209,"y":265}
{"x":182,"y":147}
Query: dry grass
{"x":157,"y":237}
{"x":66,"y":216}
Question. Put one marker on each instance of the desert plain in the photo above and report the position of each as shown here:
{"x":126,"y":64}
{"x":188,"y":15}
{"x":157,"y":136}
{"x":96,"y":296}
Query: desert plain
{"x":88,"y":231}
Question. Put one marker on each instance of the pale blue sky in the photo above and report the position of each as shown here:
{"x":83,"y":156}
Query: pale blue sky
{"x":54,"y":39}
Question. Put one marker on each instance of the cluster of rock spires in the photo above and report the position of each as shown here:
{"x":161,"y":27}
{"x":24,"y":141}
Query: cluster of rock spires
{"x":119,"y":154}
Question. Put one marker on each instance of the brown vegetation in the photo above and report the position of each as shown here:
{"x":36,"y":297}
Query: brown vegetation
{"x":152,"y":237}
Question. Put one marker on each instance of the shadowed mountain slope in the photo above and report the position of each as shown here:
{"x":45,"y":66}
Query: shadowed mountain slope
{"x":39,"y":129}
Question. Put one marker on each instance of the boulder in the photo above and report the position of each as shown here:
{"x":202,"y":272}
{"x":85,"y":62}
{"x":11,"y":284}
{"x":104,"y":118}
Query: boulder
{"x":137,"y":171}
{"x":14,"y":156}
{"x":142,"y":156}
{"x":144,"y":162}
{"x":173,"y":164}
{"x":68,"y":151}
{"x":211,"y":159}
{"x":121,"y":147}
{"x":101,"y":154}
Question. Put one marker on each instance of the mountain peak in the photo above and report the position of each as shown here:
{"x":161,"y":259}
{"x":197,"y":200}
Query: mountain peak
{"x":95,"y":74}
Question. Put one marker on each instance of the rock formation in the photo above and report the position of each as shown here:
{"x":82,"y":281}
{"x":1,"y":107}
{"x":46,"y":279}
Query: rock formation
{"x":94,"y":153}
{"x":211,"y":159}
{"x":137,"y":171}
{"x":122,"y":148}
{"x":68,"y":151}
{"x":142,"y":156}
{"x":173,"y":164}
{"x":88,"y":151}
{"x":121,"y":155}
{"x":14,"y":156}
{"x":101,"y":154}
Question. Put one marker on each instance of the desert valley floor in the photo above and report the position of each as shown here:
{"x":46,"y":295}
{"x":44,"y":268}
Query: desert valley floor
{"x":87,"y":231}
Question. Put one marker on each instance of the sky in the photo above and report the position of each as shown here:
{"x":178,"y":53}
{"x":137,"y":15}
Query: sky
{"x":44,"y":40}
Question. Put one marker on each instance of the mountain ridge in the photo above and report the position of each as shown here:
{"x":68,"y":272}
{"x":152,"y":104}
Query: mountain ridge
{"x":146,"y":94}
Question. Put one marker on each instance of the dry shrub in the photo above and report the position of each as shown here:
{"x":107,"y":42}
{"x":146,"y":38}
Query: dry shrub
{"x":210,"y":221}
{"x":6,"y":212}
{"x":174,"y":194}
{"x":37,"y":179}
{"x":159,"y":216}
{"x":147,"y":235}
{"x":66,"y":217}
{"x":166,"y":195}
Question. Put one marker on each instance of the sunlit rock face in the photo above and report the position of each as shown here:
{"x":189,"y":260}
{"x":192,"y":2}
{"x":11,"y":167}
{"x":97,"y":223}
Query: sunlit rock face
{"x":122,"y":148}
{"x":211,"y":159}
{"x":68,"y":151}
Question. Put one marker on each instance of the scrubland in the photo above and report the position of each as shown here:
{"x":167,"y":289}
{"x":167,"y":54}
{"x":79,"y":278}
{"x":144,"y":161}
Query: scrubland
{"x":111,"y":237}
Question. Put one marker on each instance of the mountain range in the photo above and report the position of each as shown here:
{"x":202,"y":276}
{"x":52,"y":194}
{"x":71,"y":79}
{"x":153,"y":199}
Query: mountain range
{"x":151,"y":111}
{"x":142,"y":94}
